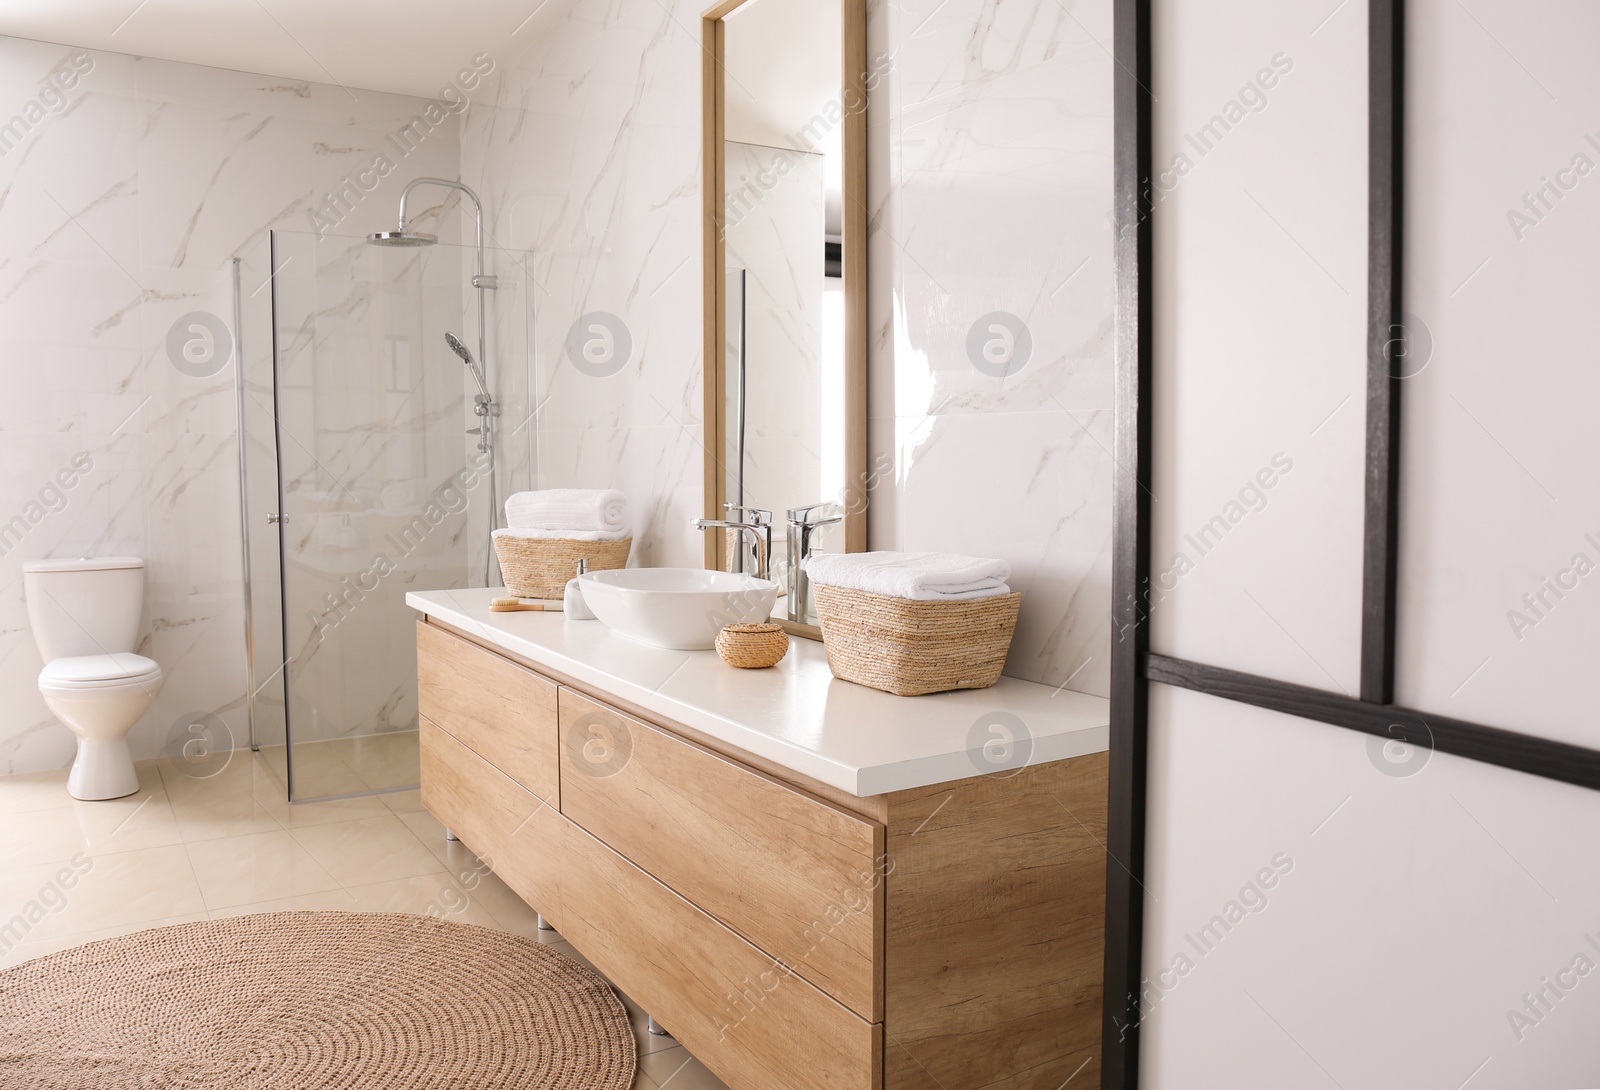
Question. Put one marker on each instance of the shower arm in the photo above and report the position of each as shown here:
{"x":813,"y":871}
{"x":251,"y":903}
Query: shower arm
{"x":479,"y":281}
{"x":445,"y":183}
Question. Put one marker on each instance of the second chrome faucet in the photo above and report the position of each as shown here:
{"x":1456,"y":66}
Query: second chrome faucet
{"x":754,"y":527}
{"x":753,"y":550}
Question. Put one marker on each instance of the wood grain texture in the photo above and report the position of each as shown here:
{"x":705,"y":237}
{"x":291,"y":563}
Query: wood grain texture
{"x":975,"y":965}
{"x":873,"y":808}
{"x":734,"y":1008}
{"x":993,"y":943}
{"x":853,"y":259}
{"x":504,"y":713}
{"x":714,"y":273}
{"x":796,"y":877}
{"x":516,"y":833}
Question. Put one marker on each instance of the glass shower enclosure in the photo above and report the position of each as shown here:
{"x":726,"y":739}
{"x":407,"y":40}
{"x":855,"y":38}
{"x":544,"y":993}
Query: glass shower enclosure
{"x":362,"y":479}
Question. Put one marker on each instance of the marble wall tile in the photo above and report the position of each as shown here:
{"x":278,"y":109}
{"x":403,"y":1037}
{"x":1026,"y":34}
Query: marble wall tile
{"x":1033,"y":489}
{"x":228,"y":91}
{"x":990,"y":191}
{"x":70,"y":188}
{"x":1008,"y":110}
{"x":587,"y":151}
{"x":119,"y":214}
{"x":657,"y":468}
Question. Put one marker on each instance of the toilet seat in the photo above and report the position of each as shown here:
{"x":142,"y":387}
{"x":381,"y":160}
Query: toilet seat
{"x":98,"y":672}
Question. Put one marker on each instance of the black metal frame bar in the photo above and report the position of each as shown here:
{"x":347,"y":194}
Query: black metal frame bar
{"x":1385,"y":333}
{"x":1130,"y":577}
{"x":1133,"y":666}
{"x":1542,"y":757}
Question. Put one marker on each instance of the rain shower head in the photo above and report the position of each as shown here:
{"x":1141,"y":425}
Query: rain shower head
{"x":401,"y":237}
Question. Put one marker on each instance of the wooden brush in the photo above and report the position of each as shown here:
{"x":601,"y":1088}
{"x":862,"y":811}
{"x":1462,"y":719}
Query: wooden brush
{"x":512,"y":605}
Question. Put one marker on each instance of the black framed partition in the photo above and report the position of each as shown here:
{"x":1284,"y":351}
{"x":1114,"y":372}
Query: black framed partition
{"x":1371,"y":710}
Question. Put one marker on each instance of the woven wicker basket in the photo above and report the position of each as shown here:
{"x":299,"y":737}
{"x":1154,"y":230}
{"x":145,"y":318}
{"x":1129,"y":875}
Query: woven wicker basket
{"x":752,"y":646}
{"x":539,"y":567}
{"x":910,"y":648}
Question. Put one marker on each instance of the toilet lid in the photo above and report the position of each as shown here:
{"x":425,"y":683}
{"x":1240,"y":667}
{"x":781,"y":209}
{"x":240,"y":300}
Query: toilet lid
{"x":99,"y":668}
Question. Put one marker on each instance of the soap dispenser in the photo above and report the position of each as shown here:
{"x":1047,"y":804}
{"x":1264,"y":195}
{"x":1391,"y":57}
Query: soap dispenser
{"x":572,"y":603}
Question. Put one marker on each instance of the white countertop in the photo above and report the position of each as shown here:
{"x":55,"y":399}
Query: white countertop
{"x":797,"y":714}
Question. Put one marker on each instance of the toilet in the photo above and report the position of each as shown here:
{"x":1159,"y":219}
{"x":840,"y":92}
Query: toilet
{"x":85,"y":619}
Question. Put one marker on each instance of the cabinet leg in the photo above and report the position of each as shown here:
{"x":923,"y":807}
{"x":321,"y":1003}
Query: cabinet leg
{"x":450,"y":835}
{"x":655,"y":1027}
{"x":544,"y":924}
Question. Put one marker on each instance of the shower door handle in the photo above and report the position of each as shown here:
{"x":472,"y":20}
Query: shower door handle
{"x":273,"y":518}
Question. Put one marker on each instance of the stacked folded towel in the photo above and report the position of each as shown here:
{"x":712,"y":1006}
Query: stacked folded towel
{"x":923,"y":577}
{"x":597,"y":509}
{"x":581,"y":514}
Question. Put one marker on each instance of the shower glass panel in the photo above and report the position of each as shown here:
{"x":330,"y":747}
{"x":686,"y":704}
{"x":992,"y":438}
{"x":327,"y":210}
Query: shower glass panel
{"x":258,"y":486}
{"x":364,"y":481}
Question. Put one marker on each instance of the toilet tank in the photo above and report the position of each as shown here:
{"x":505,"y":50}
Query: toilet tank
{"x":88,"y":606}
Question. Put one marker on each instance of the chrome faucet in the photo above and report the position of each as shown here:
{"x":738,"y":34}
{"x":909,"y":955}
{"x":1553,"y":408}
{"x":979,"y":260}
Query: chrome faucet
{"x":754,"y":554}
{"x":803,"y":523}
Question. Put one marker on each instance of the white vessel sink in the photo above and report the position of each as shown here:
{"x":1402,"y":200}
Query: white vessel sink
{"x":681,"y":608}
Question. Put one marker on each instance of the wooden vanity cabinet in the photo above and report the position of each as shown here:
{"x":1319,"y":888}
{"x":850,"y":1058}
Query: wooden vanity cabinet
{"x":947,"y":936}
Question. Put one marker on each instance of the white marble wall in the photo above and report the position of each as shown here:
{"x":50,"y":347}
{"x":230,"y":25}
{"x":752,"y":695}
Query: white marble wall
{"x":588,"y":156}
{"x":991,"y":188}
{"x":119,"y":212}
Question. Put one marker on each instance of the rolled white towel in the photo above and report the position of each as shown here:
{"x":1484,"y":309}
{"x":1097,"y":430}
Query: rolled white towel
{"x":603,"y":509}
{"x":565,"y":535}
{"x":923,"y":577}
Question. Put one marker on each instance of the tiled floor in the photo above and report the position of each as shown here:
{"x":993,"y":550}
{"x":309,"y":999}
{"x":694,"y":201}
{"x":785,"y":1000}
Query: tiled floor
{"x":342,"y":766}
{"x":191,"y":849}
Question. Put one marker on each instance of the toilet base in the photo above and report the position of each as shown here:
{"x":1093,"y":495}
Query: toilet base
{"x":103,"y":770}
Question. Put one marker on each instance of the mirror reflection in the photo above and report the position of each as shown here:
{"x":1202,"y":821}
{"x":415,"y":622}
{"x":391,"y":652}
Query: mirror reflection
{"x":784,"y":355}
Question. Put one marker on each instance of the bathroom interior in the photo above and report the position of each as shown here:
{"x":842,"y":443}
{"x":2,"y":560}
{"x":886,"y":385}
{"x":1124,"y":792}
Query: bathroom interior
{"x":484,"y":608}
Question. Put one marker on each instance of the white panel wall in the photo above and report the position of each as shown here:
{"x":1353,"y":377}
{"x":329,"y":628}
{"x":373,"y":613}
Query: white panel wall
{"x":1431,"y":921}
{"x":1419,"y":910}
{"x":1500,"y":534}
{"x":1260,"y":252}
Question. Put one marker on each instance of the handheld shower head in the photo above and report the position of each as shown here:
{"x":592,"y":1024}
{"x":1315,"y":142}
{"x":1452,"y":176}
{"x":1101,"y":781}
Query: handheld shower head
{"x":459,"y":349}
{"x":466,"y":357}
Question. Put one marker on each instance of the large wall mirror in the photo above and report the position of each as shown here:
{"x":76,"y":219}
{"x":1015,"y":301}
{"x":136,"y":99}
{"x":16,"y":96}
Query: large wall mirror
{"x":785,"y":86}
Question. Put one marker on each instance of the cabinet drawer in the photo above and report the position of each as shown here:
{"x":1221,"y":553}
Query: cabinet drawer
{"x":515,"y":832}
{"x":733,"y":1007}
{"x":793,"y":875}
{"x":504,"y":713}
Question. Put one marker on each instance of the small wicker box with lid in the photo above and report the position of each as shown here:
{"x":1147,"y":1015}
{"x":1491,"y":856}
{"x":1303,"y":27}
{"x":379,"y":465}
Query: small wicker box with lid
{"x":910,"y":647}
{"x":539,"y":567}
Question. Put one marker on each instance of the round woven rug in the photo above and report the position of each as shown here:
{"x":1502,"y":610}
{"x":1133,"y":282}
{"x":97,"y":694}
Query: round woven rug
{"x":312,"y":1001}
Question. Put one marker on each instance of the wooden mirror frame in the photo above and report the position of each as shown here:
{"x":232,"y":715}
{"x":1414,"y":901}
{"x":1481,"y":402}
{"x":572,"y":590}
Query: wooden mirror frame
{"x":853,"y":246}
